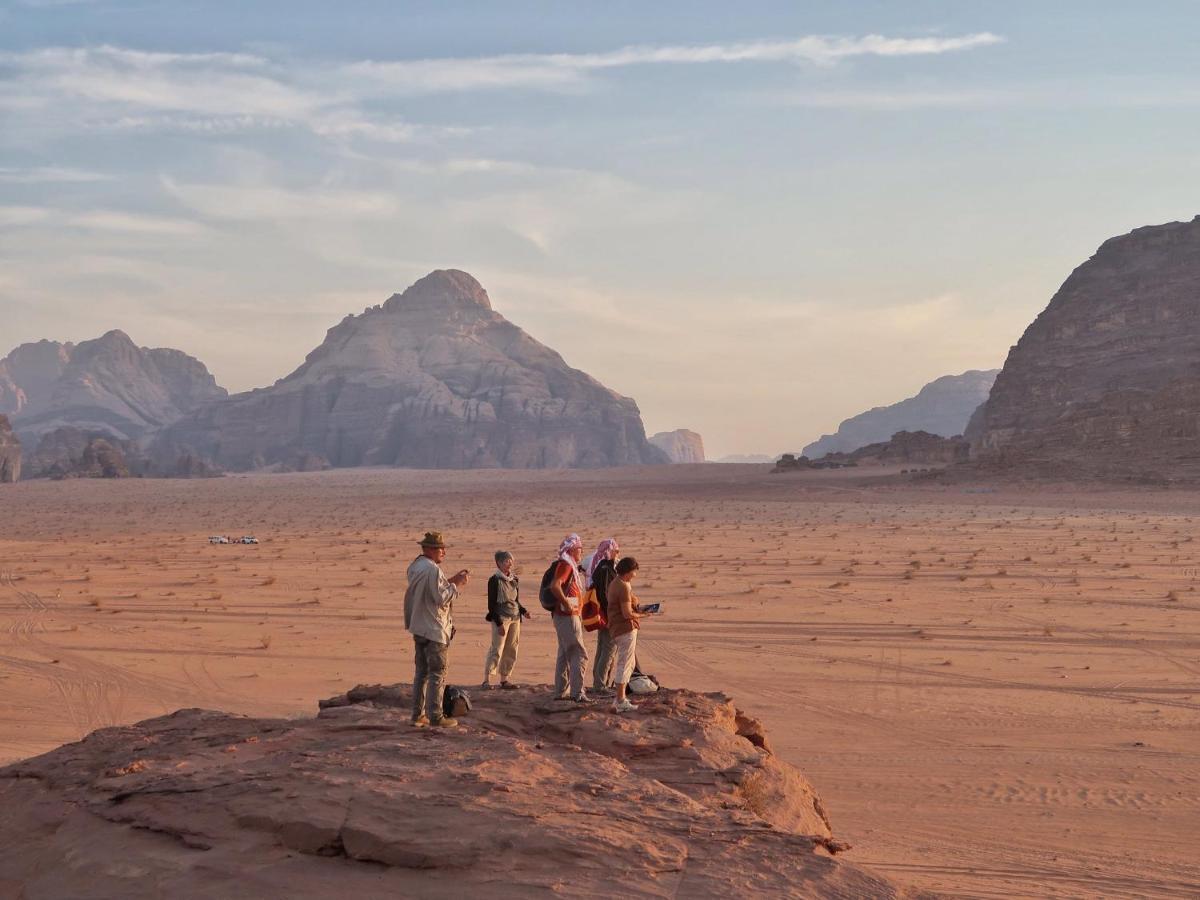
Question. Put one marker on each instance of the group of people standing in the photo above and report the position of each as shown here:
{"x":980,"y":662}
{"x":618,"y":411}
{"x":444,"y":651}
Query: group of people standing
{"x":428,"y":615}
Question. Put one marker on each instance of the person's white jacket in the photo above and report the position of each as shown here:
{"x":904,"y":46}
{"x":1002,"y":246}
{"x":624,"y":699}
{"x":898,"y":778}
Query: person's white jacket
{"x":429,"y":601}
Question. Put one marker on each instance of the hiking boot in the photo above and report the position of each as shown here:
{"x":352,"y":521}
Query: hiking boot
{"x":419,"y":722}
{"x":444,"y":722}
{"x":582,"y":698}
{"x":507,"y":686}
{"x":623,"y":707}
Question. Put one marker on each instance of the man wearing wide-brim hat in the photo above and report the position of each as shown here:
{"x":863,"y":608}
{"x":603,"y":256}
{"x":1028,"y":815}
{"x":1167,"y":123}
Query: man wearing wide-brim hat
{"x":429,"y":615}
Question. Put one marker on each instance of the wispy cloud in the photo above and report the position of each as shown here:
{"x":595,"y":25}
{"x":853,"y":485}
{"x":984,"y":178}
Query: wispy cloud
{"x":258,"y":202}
{"x":49,"y":175}
{"x":100,"y":220}
{"x":567,"y":70}
{"x":106,"y":86}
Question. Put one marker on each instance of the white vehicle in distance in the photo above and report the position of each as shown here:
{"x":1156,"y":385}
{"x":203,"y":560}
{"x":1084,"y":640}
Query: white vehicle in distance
{"x":218,"y":539}
{"x":248,"y":539}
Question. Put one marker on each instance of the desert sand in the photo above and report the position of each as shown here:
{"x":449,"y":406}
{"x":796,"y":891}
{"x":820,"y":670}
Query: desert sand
{"x":995,"y":690}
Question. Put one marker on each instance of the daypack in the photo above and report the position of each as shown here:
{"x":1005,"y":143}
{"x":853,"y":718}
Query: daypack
{"x":545,"y":595}
{"x":455,"y":702}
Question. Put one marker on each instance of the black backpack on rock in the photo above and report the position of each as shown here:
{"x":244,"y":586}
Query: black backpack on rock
{"x":455,"y":702}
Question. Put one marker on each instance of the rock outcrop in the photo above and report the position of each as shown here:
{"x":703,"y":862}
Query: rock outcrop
{"x":433,"y":378}
{"x":107,"y":385}
{"x":911,"y":448}
{"x":528,"y":796}
{"x":10,"y":453}
{"x":943,"y":407}
{"x":1106,"y":381}
{"x":74,"y":453}
{"x":681,"y":445}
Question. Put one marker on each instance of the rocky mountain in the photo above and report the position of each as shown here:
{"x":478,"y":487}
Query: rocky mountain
{"x":108,"y":385}
{"x":1106,"y":381}
{"x":433,"y":378}
{"x":942,"y":407}
{"x":10,"y":453}
{"x":527,"y":797}
{"x":681,"y":445}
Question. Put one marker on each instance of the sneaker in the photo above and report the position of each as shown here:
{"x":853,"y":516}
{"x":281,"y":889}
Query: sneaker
{"x":507,"y":686}
{"x":623,"y":707}
{"x":444,"y":722}
{"x":582,"y":698}
{"x":419,"y":722}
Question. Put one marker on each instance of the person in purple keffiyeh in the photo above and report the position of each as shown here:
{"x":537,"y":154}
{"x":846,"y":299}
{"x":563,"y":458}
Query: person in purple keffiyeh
{"x":599,"y":576}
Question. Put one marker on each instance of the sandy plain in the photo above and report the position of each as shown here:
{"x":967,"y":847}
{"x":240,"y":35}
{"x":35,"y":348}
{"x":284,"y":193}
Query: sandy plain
{"x":996,"y":690}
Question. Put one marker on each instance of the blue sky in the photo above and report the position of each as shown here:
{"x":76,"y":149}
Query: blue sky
{"x":757,"y":219}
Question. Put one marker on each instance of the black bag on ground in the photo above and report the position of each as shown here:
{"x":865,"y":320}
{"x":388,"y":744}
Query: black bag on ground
{"x":545,"y":595}
{"x":455,"y":702}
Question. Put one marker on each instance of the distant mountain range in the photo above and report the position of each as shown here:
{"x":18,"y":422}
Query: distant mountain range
{"x":108,"y":385}
{"x":942,"y":407}
{"x":432,"y":378}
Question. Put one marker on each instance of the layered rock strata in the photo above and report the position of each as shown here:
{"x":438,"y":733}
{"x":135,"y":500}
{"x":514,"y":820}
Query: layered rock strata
{"x":528,"y":796}
{"x":433,"y":378}
{"x":681,"y":445}
{"x":1106,"y":381}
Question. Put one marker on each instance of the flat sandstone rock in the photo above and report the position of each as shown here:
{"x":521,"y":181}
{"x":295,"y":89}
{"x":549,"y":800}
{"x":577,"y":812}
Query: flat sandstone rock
{"x":528,"y":796}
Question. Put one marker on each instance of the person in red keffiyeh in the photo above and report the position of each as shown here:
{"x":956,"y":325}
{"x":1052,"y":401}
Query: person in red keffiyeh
{"x":567,"y":587}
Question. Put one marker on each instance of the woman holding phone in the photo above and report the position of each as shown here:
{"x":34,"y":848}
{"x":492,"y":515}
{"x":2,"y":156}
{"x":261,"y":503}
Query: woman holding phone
{"x":624,"y":620}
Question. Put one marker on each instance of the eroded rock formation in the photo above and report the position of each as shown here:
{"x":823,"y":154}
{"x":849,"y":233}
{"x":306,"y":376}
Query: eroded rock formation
{"x":911,"y":448}
{"x":10,"y":453}
{"x":681,"y":445}
{"x":433,"y":378}
{"x":943,"y":407}
{"x":1106,"y":381}
{"x":108,"y":385}
{"x":528,"y":796}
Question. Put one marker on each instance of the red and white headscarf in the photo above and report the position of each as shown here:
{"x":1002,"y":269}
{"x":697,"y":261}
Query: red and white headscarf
{"x":569,"y":543}
{"x":607,"y":549}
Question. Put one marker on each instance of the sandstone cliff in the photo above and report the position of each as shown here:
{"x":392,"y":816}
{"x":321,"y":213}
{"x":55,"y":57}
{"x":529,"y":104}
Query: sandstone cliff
{"x":528,"y":797}
{"x":433,"y":378}
{"x":1106,"y":381}
{"x":107,"y":385}
{"x":681,"y":445}
{"x":942,"y":407}
{"x":10,"y":453}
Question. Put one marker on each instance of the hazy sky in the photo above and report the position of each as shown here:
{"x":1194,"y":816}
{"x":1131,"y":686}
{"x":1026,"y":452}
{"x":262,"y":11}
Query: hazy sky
{"x":755,"y":218}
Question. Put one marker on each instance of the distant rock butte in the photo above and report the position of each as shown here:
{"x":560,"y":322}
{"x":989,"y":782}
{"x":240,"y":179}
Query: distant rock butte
{"x":1106,"y":381}
{"x":107,"y":385}
{"x":943,"y":407}
{"x":433,"y":378}
{"x":529,"y":796}
{"x":10,"y":453}
{"x":681,"y":445}
{"x":912,"y":448}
